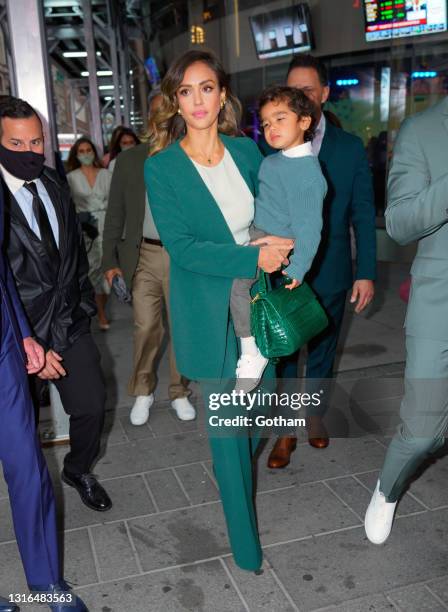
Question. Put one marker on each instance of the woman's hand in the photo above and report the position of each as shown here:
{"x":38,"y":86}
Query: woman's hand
{"x":274,"y":241}
{"x":272,"y":257}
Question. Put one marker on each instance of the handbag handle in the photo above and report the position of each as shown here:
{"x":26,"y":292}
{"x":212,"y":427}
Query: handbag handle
{"x":262,"y":283}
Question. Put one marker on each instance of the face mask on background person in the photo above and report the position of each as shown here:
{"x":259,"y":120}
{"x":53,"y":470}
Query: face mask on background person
{"x":25,"y":165}
{"x":127,"y":147}
{"x":86,"y":159}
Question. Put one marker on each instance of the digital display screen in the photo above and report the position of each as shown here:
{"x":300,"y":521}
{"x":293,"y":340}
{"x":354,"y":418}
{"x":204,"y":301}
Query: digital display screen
{"x":282,"y":32}
{"x":400,"y":18}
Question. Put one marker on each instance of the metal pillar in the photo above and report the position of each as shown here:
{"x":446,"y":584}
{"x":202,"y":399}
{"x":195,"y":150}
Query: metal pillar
{"x":124,"y":69}
{"x":111,"y":26}
{"x":31,"y":78}
{"x":95,"y":111}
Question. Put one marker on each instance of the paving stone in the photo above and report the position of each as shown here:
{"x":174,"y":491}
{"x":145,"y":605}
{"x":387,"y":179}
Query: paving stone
{"x":337,"y":567}
{"x":341,"y":458}
{"x":299,"y":512}
{"x":431,"y":486}
{"x":372,"y":603}
{"x":416,"y":599}
{"x":180,"y":536}
{"x":6,"y":527}
{"x":197,"y":483}
{"x":79,"y":566}
{"x":145,"y":455}
{"x":203,"y":587}
{"x":135,"y":432}
{"x":113,"y":551}
{"x":3,"y":487}
{"x":129,"y":498}
{"x":440,"y":588}
{"x":113,"y":431}
{"x":261,"y":592}
{"x":358,"y":498}
{"x":162,"y":423}
{"x":166,"y":490}
{"x":12,"y":577}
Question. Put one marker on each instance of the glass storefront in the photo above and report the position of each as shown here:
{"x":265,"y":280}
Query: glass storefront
{"x":386,"y":60}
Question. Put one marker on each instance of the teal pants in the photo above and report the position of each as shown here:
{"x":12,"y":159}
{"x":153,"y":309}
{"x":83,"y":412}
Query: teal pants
{"x":423,"y":412}
{"x":232,"y":450}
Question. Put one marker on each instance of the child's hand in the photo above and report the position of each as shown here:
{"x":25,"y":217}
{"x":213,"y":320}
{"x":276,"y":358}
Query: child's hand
{"x":293,"y":284}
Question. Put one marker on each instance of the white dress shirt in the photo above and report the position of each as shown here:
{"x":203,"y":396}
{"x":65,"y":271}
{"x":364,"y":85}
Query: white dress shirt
{"x":25,"y":201}
{"x":319,"y":135}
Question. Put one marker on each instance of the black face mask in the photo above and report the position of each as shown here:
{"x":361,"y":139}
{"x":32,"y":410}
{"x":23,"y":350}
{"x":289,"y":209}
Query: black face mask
{"x":25,"y":165}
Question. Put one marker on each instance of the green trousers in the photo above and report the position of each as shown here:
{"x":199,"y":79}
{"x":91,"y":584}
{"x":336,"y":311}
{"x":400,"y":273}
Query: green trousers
{"x":423,"y":412}
{"x":232,"y":450}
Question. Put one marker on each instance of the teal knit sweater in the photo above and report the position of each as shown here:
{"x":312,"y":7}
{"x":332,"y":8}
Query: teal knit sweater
{"x":289,"y":204}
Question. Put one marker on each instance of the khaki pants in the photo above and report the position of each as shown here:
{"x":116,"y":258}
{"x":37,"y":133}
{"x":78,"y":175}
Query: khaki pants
{"x":150,"y":295}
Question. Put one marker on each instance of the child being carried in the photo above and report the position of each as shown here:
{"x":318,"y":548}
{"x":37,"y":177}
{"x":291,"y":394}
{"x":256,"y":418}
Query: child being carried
{"x":289,"y":204}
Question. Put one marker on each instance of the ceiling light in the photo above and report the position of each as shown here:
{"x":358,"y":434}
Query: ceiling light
{"x":106,"y":87}
{"x":77,"y":53}
{"x":85,"y":73}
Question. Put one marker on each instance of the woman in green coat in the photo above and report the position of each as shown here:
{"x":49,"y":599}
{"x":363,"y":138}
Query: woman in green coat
{"x":201,"y":181}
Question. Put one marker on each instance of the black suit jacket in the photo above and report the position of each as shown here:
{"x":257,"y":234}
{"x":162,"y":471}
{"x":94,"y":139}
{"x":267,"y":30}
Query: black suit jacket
{"x":58,"y":304}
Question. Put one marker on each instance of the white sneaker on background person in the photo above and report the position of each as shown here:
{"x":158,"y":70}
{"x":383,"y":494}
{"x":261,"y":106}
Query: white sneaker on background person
{"x":379,"y":517}
{"x":184,"y":409}
{"x":140,"y":410}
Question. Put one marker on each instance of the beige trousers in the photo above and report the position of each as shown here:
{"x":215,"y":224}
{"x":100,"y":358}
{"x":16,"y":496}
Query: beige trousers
{"x":150,"y":290}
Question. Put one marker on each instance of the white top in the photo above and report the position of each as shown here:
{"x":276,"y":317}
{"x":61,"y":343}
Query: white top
{"x":319,"y":135}
{"x":25,"y":201}
{"x":302,"y":150}
{"x":87,"y":198}
{"x":232,"y":195}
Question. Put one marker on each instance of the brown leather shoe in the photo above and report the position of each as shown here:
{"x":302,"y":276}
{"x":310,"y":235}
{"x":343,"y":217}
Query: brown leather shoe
{"x":317,"y":433}
{"x":281,"y":453}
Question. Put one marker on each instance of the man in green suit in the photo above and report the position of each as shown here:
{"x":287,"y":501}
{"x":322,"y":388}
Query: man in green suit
{"x":132,"y":249}
{"x":418,"y":210}
{"x":349,"y":202}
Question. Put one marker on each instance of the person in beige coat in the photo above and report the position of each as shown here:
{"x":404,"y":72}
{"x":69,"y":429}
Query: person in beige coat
{"x":132,"y":248}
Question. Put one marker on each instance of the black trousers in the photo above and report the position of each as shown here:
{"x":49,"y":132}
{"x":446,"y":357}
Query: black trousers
{"x":83,"y":396}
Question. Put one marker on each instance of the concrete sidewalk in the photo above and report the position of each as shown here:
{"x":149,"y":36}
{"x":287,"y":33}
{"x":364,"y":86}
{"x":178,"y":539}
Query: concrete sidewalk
{"x":163,"y":547}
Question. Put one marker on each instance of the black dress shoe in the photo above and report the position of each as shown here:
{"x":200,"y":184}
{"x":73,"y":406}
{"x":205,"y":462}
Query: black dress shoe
{"x":7,"y":606}
{"x":91,"y":492}
{"x":60,"y":597}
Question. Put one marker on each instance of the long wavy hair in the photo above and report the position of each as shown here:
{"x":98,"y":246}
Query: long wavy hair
{"x":166,"y":125}
{"x":73,"y":162}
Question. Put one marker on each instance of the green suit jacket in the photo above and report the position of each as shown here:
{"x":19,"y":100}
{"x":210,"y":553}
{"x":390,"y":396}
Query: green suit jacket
{"x":123,"y":226}
{"x":418,"y":210}
{"x":204,"y":257}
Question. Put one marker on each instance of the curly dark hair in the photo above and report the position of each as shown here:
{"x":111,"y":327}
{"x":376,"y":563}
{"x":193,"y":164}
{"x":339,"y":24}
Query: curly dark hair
{"x":115,"y":147}
{"x":73,"y":162}
{"x":296,"y":100}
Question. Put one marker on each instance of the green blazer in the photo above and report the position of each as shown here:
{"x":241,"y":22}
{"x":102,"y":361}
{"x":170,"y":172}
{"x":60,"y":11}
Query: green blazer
{"x":204,"y":257}
{"x":418,"y":210}
{"x":125,"y":213}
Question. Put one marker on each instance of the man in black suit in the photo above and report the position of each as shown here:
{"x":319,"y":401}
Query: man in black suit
{"x":48,"y":260}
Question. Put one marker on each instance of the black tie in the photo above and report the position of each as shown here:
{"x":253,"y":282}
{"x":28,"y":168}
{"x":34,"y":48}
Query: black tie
{"x":46,"y":233}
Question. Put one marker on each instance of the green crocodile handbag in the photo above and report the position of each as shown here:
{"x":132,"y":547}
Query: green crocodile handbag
{"x":283,"y":320}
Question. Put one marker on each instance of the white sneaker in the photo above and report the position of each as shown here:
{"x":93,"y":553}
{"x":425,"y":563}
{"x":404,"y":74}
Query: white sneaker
{"x":249,"y":371}
{"x":379,"y":517}
{"x":184,"y":409}
{"x":140,"y":410}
